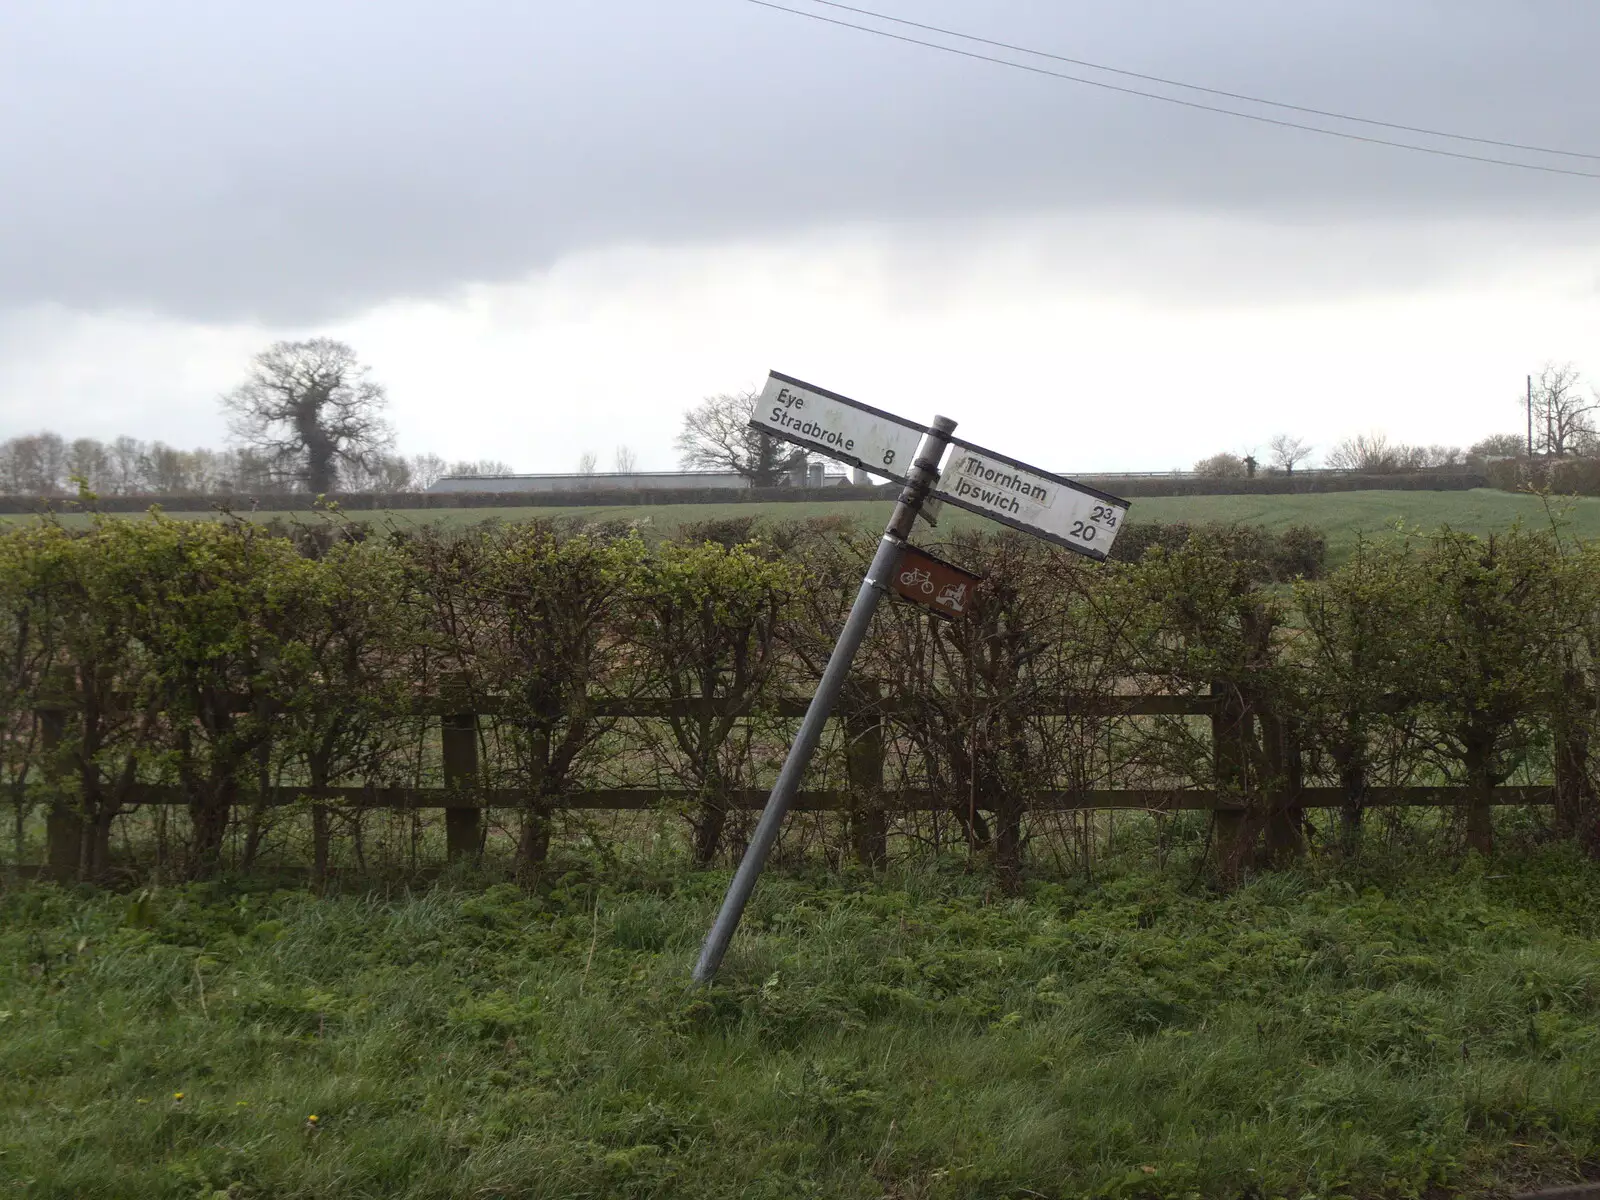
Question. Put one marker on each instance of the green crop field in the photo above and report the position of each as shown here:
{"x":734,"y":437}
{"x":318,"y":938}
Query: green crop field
{"x":1408,"y":1027}
{"x":1343,"y":516}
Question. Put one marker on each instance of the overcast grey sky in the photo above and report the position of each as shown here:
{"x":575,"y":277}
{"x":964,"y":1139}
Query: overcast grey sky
{"x":187,"y":179}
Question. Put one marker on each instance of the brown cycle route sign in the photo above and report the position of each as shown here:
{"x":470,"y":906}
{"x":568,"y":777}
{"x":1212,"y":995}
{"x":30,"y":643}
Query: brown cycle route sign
{"x":942,"y":588}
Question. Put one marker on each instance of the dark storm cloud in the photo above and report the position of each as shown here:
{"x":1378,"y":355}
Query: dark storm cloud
{"x":294,"y":160}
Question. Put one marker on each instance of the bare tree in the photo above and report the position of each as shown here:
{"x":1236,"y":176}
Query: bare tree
{"x":46,"y":464}
{"x":311,"y":410}
{"x":126,"y":469}
{"x":626,"y":460}
{"x":1221,"y":466}
{"x":587,"y":461}
{"x":10,"y":469}
{"x":426,"y":470}
{"x":35,"y":464}
{"x":170,"y":469}
{"x":483,"y":467}
{"x":717,"y":436}
{"x":252,"y":473}
{"x":1562,"y":420}
{"x":1499,"y":445}
{"x":1288,"y":452}
{"x":1422,"y":458}
{"x":393,"y":474}
{"x":1364,"y":452}
{"x":88,"y":460}
{"x":385,"y":473}
{"x":1376,"y":454}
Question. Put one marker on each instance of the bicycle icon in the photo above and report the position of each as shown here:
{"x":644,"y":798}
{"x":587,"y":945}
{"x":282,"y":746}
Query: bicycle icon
{"x":918,"y":578}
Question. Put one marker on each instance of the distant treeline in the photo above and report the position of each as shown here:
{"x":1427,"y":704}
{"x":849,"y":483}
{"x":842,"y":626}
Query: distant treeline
{"x":1564,"y":476}
{"x":280,"y":499}
{"x":47,"y":464}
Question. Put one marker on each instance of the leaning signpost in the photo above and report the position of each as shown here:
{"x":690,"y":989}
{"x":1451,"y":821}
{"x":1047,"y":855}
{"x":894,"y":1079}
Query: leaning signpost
{"x":981,"y":481}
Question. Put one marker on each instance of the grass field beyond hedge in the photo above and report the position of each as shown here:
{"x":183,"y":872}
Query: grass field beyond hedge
{"x":1341,"y":515}
{"x":1317,"y":1033}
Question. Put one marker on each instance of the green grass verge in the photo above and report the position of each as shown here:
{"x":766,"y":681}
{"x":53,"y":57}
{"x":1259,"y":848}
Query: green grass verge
{"x":1343,"y":516}
{"x":1317,"y":1033}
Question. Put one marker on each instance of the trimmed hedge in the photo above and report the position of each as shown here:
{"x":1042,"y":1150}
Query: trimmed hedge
{"x":1565,"y":476}
{"x":220,"y":658}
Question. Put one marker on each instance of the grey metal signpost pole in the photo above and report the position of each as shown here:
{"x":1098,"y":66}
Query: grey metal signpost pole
{"x":924,"y":472}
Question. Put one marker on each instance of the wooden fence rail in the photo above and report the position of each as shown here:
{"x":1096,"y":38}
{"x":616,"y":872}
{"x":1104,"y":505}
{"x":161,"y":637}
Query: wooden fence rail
{"x":655,"y":708}
{"x":868,"y":802}
{"x":474,"y":800}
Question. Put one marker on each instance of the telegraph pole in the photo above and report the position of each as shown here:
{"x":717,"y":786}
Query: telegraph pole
{"x":1530,"y":418}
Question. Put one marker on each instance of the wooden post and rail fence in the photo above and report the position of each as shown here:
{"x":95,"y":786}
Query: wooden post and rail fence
{"x":1239,"y":730}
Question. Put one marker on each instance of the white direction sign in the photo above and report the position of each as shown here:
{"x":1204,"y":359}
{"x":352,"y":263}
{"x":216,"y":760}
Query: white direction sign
{"x":1034,"y":501}
{"x":976,"y":479}
{"x":837,"y":426}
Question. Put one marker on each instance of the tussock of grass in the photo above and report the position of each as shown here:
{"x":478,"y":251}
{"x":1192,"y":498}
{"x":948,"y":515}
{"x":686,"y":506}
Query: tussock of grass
{"x":1318,"y":1033}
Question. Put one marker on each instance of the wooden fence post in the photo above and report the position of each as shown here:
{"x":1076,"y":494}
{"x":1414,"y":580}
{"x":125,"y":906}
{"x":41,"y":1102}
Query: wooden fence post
{"x":1574,"y":791}
{"x":533,"y":842}
{"x":1353,"y":781}
{"x":255,"y":828}
{"x":863,"y":727}
{"x":321,"y":840}
{"x":1230,"y":731}
{"x":64,"y":822}
{"x":463,"y":825}
{"x":1286,"y":777}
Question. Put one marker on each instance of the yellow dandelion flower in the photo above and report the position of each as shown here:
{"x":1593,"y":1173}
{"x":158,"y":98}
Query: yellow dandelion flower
{"x":177,"y":1095}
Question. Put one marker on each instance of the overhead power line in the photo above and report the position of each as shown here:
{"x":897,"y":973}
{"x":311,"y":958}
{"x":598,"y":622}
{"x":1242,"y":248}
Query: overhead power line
{"x":1210,"y":91}
{"x":1259,"y":118}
